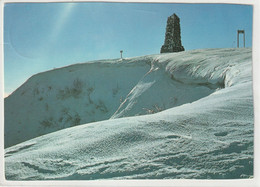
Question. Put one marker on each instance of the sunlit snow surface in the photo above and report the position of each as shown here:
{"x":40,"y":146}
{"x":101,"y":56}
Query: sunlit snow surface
{"x":167,"y":116}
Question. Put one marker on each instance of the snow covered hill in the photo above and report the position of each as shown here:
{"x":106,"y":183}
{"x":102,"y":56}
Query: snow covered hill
{"x":178,"y":115}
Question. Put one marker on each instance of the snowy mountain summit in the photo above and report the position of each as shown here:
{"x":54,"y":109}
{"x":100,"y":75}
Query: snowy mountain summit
{"x":173,"y":115}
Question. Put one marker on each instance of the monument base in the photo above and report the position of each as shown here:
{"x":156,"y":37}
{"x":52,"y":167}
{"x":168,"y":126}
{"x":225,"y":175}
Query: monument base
{"x":170,"y":49}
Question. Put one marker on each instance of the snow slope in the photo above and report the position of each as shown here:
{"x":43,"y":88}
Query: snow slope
{"x":203,"y":128}
{"x":100,"y":90}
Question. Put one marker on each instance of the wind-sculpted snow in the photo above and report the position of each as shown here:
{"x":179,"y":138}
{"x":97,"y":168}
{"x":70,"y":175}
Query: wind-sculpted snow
{"x":195,"y":120}
{"x":100,"y":90}
{"x":69,"y":96}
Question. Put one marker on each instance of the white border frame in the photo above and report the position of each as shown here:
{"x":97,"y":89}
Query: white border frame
{"x":255,"y":182}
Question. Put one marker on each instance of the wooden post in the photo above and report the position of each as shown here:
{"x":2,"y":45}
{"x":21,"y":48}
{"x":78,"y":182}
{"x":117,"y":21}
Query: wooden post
{"x":237,"y":38}
{"x":244,"y":39}
{"x":121,"y":52}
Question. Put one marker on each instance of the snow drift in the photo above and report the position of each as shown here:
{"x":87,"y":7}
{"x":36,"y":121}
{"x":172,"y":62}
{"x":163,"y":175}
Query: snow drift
{"x":180,"y":115}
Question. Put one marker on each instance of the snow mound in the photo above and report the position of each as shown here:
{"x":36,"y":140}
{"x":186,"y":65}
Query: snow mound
{"x":101,"y":90}
{"x":191,"y":116}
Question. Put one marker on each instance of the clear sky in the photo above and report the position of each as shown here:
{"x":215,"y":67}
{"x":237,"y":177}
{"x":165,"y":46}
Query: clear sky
{"x":43,"y":36}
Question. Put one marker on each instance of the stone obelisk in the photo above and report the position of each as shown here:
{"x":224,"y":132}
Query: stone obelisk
{"x":172,"y":42}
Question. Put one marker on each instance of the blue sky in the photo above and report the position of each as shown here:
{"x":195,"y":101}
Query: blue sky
{"x":43,"y":36}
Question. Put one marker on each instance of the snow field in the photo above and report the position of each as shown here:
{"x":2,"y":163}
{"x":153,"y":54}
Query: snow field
{"x":206,"y":132}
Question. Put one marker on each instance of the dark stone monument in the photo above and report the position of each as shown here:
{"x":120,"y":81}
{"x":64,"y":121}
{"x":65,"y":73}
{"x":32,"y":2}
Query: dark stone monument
{"x":172,"y":42}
